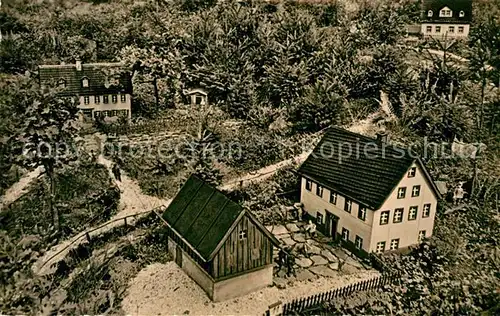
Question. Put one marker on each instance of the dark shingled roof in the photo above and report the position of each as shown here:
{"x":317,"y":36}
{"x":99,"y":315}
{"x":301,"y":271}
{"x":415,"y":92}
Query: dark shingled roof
{"x":203,"y":216}
{"x":340,"y":162}
{"x":455,"y":5}
{"x":95,"y":73}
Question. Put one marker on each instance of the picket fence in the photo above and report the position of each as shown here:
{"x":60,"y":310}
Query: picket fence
{"x":315,"y":301}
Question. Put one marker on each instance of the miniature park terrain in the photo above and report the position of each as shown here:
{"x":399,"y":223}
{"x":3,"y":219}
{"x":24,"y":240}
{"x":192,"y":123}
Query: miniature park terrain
{"x":76,"y":241}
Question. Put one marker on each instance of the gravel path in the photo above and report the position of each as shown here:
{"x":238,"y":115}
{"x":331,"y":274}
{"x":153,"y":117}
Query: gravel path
{"x":19,"y":188}
{"x":164,"y":289}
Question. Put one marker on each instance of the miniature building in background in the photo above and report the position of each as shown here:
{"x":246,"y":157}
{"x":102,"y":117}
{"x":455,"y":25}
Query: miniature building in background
{"x":446,"y":18}
{"x":371,"y":195}
{"x":220,"y":245}
{"x":98,"y":94}
{"x":197,"y":96}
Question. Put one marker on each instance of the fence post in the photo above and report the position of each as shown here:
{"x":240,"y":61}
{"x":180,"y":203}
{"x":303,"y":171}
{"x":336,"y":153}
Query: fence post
{"x":88,"y":236}
{"x":125,"y":222}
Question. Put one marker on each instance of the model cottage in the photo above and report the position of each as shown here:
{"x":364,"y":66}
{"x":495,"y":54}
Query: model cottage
{"x":446,"y":18}
{"x":373,"y":196}
{"x":98,"y":94}
{"x":220,"y":245}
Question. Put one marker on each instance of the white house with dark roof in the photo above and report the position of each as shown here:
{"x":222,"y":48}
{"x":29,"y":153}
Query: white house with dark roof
{"x":371,"y":195}
{"x":102,"y":89}
{"x":446,"y":18}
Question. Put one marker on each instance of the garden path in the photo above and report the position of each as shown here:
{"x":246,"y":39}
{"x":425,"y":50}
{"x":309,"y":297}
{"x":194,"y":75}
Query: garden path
{"x":19,"y":188}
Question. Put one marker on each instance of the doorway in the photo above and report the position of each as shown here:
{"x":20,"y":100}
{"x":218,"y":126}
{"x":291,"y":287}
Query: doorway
{"x":331,"y":224}
{"x":178,"y":256}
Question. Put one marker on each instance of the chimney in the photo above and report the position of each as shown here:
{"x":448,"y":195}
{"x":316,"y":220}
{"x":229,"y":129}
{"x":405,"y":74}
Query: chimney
{"x":383,"y":137}
{"x":78,"y":65}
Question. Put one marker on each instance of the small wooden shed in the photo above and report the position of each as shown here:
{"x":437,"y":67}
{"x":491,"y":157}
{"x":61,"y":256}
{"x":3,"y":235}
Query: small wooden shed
{"x":220,"y":245}
{"x":197,"y":96}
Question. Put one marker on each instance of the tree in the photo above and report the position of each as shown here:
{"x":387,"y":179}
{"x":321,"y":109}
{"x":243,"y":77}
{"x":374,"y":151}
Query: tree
{"x":47,"y":133}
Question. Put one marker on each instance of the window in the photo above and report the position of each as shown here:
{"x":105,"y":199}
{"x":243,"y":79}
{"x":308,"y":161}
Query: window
{"x":362,"y":213}
{"x":415,"y":191}
{"x":411,"y":172}
{"x":358,"y":242}
{"x":319,"y":218}
{"x":401,"y":193}
{"x":114,"y":98}
{"x":451,"y":29}
{"x":97,"y":114}
{"x":97,"y":99}
{"x":243,"y":234}
{"x":438,"y":29}
{"x":308,"y":185}
{"x":429,"y":29}
{"x":445,"y":12}
{"x":345,"y":234}
{"x":427,"y":210}
{"x":348,"y":205}
{"x":384,"y":217}
{"x":461,"y":14}
{"x":87,"y":113}
{"x":421,"y":235}
{"x":461,"y":29}
{"x":398,"y":215}
{"x":123,"y":98}
{"x":105,"y":99}
{"x":412,"y":214}
{"x":380,"y":247}
{"x":429,"y":13}
{"x":394,"y":244}
{"x":333,"y":197}
{"x":85,"y":82}
{"x":86,"y":99}
{"x":319,"y":190}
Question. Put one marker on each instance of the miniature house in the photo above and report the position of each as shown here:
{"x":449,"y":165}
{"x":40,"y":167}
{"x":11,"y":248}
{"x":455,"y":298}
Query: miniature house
{"x":446,"y":18}
{"x":197,"y":96}
{"x":368,"y":194}
{"x":220,"y":245}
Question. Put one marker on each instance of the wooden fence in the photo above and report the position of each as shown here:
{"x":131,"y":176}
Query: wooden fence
{"x":315,"y":301}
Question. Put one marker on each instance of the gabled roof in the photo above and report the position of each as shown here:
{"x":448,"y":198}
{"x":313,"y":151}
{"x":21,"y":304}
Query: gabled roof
{"x":203,"y":216}
{"x":359,"y":167}
{"x":454,"y":5}
{"x":95,"y":73}
{"x":197,"y":90}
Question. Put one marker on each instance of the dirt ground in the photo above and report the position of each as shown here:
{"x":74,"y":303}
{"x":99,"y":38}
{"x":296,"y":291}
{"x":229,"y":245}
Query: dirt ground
{"x":164,"y":289}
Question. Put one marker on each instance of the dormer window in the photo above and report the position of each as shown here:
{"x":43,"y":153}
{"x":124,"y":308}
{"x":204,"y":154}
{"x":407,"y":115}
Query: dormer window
{"x":445,"y":12}
{"x":85,"y":82}
{"x":461,"y":14}
{"x":429,"y":13}
{"x":61,"y":83}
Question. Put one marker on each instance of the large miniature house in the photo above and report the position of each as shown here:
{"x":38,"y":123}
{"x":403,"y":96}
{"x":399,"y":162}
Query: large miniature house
{"x":220,"y":245}
{"x":98,"y":94}
{"x":367,"y":193}
{"x":197,"y":96}
{"x":446,"y":18}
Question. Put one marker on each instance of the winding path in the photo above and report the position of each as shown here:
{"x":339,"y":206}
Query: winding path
{"x":19,"y":188}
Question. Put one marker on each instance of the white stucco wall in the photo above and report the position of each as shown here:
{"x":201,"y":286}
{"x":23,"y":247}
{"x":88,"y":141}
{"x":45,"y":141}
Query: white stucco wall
{"x":407,"y":230}
{"x":101,"y":106}
{"x":314,"y":204}
{"x":444,"y":30}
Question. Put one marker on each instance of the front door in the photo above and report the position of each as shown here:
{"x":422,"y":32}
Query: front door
{"x":331,"y":224}
{"x":178,"y":256}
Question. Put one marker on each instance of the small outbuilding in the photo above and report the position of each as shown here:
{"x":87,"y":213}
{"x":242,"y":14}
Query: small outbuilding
{"x":197,"y":96}
{"x":217,"y":242}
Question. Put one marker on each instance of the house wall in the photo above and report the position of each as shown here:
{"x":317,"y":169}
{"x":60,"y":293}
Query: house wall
{"x":407,"y":231}
{"x":192,"y":269}
{"x":313,"y":204}
{"x":444,"y":30}
{"x":110,"y":106}
{"x":243,"y":284}
{"x":238,"y":255}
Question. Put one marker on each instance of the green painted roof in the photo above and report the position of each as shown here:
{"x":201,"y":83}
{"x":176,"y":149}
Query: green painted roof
{"x":202,"y":215}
